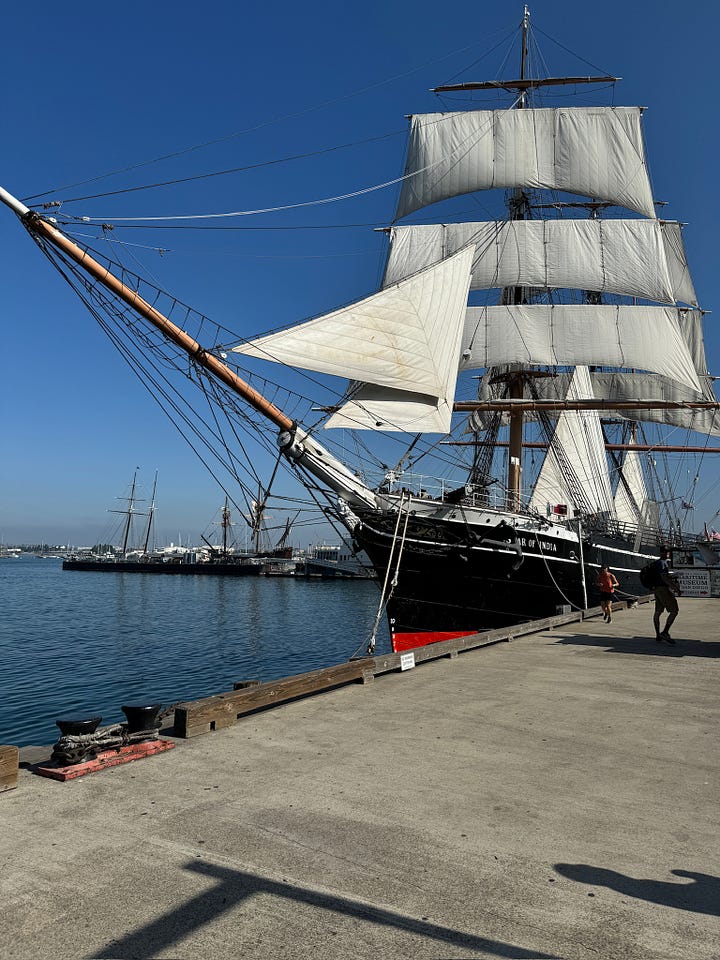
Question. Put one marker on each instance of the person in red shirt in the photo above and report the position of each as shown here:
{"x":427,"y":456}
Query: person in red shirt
{"x":607,"y":582}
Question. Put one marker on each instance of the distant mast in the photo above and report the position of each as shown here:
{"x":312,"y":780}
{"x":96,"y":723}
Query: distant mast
{"x":226,"y":523}
{"x":151,"y":514}
{"x":129,"y":514}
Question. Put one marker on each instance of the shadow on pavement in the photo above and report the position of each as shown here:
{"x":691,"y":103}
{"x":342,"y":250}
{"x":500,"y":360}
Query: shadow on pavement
{"x":233,"y":887}
{"x":702,"y":895}
{"x":646,"y":645}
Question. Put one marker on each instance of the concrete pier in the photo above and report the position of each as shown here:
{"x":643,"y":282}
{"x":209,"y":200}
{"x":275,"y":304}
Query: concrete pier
{"x":556,"y":796}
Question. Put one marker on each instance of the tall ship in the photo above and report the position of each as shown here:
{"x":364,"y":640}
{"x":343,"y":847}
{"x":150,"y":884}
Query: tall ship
{"x":524,"y":357}
{"x":212,"y":560}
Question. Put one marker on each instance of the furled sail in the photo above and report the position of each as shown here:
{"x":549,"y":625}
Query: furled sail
{"x":638,"y":258}
{"x":643,"y":386}
{"x":575,"y":472}
{"x":644,"y":337}
{"x":405,"y":338}
{"x":622,"y":386}
{"x":593,"y":151}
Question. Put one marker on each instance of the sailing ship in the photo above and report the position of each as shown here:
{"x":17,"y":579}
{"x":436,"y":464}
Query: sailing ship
{"x":590,"y":325}
{"x":142,"y":558}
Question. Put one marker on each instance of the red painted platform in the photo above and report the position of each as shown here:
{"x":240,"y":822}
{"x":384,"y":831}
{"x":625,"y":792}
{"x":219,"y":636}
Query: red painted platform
{"x":108,"y":758}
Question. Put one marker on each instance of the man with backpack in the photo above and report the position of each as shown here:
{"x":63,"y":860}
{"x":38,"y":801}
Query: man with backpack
{"x":665,"y":587}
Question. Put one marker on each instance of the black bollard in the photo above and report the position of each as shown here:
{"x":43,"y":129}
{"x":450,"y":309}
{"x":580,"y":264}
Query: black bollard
{"x":76,"y":728}
{"x":142,"y":717}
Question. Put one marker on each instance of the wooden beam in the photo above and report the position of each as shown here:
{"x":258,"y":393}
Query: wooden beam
{"x":215,"y":713}
{"x":534,"y":406}
{"x":197,"y":717}
{"x":521,"y":84}
{"x":543,"y":445}
{"x":9,"y":765}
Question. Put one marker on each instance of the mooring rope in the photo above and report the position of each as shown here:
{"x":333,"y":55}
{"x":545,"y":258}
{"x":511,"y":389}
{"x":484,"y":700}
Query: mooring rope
{"x":394,"y":582}
{"x":547,"y":567}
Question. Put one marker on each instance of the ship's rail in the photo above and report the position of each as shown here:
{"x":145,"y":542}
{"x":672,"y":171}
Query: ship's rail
{"x":426,"y":487}
{"x":643,"y":538}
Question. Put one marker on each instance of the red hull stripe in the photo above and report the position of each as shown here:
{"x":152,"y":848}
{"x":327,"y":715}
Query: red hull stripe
{"x":407,"y":641}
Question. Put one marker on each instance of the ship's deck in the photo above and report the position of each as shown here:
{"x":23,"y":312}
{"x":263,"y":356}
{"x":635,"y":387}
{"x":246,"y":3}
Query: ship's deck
{"x":551,"y":797}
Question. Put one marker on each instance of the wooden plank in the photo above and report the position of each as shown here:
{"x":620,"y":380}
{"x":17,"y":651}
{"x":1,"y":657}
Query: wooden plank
{"x":451,"y":648}
{"x":9,"y":763}
{"x":222,"y":710}
{"x":108,"y":758}
{"x":196,"y":717}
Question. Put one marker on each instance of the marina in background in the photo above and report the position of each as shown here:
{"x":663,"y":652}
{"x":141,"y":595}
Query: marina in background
{"x":137,"y":551}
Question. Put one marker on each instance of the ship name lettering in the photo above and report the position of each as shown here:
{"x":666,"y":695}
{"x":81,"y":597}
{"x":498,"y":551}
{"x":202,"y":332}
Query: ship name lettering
{"x":547,"y":547}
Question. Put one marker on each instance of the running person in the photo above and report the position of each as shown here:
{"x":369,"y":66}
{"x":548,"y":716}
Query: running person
{"x":607,"y":582}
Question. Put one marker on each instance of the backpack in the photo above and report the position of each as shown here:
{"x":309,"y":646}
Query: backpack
{"x":649,"y":575}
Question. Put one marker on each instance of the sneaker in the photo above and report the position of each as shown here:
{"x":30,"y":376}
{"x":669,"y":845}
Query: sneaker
{"x":666,"y":636}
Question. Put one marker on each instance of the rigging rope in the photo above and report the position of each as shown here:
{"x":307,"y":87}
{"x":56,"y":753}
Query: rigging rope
{"x":385,"y":597}
{"x":549,"y":571}
{"x":474,"y":136}
{"x":260,"y":126}
{"x":222,"y":173}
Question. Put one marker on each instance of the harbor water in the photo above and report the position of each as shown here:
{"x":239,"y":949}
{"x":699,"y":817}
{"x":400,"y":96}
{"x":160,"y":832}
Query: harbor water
{"x":76,"y":644}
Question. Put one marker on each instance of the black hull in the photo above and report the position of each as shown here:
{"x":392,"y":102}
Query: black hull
{"x":457,"y":579}
{"x":165,"y":569}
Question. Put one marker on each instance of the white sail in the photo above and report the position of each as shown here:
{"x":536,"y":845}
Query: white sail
{"x":647,"y":338}
{"x":680,"y":279}
{"x":406,"y":337}
{"x":621,"y":385}
{"x":574,"y":472}
{"x":593,"y":151}
{"x":379,"y":408}
{"x":638,"y":258}
{"x":631,"y":493}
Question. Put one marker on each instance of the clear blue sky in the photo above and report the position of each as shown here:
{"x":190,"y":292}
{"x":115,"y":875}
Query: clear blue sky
{"x":92,"y":88}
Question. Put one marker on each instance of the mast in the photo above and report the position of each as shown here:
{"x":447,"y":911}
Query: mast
{"x":516,"y":384}
{"x":150,"y":515}
{"x":129,"y":514}
{"x":257,"y":518}
{"x":524,"y":51}
{"x":514,"y":376}
{"x":225,"y":526}
{"x":519,"y":210}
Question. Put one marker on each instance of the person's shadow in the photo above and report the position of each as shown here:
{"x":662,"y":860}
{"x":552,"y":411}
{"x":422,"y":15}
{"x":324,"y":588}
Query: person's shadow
{"x":700,"y":896}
